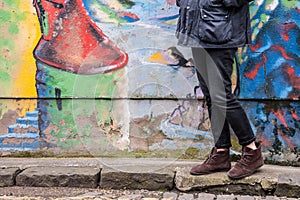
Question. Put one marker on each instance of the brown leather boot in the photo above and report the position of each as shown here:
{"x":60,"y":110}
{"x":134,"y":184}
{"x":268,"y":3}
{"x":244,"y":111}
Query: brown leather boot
{"x":250,"y":161}
{"x":217,"y":161}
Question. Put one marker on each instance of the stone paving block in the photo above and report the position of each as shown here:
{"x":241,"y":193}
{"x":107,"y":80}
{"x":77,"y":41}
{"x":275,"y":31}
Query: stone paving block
{"x":130,"y":197}
{"x":257,"y":184}
{"x":246,"y":197}
{"x":82,"y":177}
{"x":206,"y":196}
{"x":156,"y":180}
{"x":108,"y":196}
{"x":7,"y":176}
{"x":186,"y":197}
{"x":170,"y":196}
{"x":288,"y":185}
{"x":226,"y":197}
{"x":272,"y":198}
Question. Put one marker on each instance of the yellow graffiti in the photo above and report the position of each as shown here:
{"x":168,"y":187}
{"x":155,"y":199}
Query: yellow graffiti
{"x":24,"y":74}
{"x":157,"y":58}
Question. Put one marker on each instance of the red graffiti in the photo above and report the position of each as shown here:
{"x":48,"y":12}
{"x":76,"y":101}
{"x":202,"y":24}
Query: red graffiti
{"x":265,"y":142}
{"x":171,"y":2}
{"x":294,"y":114}
{"x":72,"y":41}
{"x":293,"y":79}
{"x":252,"y":74}
{"x":256,"y":46}
{"x":287,"y":139}
{"x":282,"y":51}
{"x":286,"y":29}
{"x":280,"y":115}
{"x":130,"y":17}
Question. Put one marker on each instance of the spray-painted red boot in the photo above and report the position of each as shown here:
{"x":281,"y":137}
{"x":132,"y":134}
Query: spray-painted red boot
{"x":71,"y":41}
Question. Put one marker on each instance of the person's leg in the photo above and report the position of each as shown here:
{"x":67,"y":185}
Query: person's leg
{"x":224,"y":102}
{"x":200,"y":56}
{"x":219,"y":159}
{"x":252,"y":158}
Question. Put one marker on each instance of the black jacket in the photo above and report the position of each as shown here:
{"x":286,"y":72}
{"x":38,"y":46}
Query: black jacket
{"x":213,"y":23}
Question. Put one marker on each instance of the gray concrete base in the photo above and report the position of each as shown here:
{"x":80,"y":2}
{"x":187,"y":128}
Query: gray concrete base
{"x":8,"y":175}
{"x":83,"y":177}
{"x":114,"y":179}
{"x":268,"y":180}
{"x":148,"y":174}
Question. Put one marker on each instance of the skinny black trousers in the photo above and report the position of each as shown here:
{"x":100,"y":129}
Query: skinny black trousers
{"x":214,"y":70}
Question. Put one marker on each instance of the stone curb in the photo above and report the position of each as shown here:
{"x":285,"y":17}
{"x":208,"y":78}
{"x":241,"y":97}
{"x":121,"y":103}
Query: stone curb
{"x":221,"y":183}
{"x":268,"y":180}
{"x":114,"y":179}
{"x":82,"y":177}
{"x":8,"y":175}
{"x":132,"y":174}
{"x":288,"y":185}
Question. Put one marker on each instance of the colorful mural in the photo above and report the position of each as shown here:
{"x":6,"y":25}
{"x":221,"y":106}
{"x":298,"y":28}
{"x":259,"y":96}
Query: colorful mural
{"x":270,"y":70}
{"x":106,"y":77}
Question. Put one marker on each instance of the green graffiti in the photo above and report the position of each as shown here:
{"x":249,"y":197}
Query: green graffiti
{"x":4,"y":76}
{"x":68,"y":144}
{"x":127,"y":3}
{"x":12,"y":3}
{"x":264,"y":18}
{"x":7,"y":62}
{"x":13,"y":28}
{"x":91,"y":101}
{"x":7,"y":43}
{"x":11,"y":17}
{"x":45,"y":25}
{"x":44,"y":19}
{"x":21,"y":16}
{"x":75,"y":85}
{"x":109,"y":12}
{"x":69,"y":127}
{"x":289,"y":4}
{"x":84,"y":131}
{"x":5,"y":16}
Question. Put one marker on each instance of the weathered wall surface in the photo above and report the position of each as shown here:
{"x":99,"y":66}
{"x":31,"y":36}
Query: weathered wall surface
{"x":102,"y":78}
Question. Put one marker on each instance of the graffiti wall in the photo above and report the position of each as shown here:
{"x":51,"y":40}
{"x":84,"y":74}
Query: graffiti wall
{"x":107,"y":78}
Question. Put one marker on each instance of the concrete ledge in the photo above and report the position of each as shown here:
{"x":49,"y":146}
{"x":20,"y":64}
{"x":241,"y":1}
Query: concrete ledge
{"x":148,"y":174}
{"x":82,"y":177}
{"x":220,"y":183}
{"x":288,"y":185}
{"x":268,"y":180}
{"x":8,"y":175}
{"x":155,"y":180}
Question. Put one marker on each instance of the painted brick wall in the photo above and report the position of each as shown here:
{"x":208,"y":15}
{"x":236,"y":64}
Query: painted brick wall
{"x":106,"y":78}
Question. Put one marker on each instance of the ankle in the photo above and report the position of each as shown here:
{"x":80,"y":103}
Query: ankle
{"x":252,"y":146}
{"x":221,"y":149}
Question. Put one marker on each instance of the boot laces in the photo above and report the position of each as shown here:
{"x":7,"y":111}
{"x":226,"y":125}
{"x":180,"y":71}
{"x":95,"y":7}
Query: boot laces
{"x":245,"y":159}
{"x":211,"y":158}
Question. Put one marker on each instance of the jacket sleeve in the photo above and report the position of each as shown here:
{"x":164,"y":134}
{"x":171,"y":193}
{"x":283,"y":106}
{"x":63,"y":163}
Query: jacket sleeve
{"x":235,"y":3}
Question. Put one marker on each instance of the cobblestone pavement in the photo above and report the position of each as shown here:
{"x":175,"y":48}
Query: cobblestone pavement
{"x":39,"y":193}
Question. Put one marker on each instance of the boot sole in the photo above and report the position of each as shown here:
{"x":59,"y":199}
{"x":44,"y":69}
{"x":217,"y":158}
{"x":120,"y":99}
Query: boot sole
{"x":211,"y":172}
{"x":245,"y":175}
